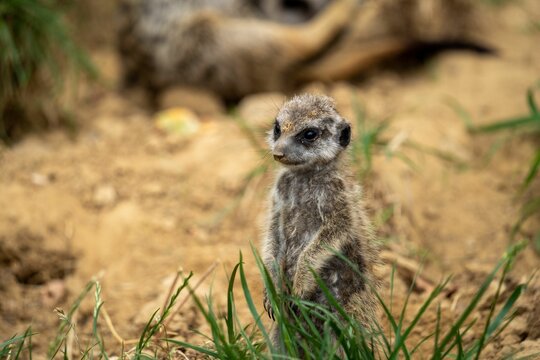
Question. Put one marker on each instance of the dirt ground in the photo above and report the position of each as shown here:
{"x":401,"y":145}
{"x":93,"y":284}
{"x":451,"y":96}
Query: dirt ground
{"x":129,"y":204}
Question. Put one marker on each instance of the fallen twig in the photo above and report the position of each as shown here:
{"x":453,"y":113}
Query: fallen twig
{"x":410,"y":270}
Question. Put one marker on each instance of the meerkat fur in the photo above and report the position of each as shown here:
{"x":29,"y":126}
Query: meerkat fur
{"x":316,"y":210}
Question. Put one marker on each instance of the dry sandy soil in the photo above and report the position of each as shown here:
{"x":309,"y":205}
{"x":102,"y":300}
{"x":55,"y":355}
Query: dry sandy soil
{"x":130,"y":204}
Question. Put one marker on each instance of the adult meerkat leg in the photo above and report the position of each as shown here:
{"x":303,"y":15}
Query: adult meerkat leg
{"x":304,"y":41}
{"x":235,"y":57}
{"x":386,"y":28}
{"x":347,"y":61}
{"x":300,"y":42}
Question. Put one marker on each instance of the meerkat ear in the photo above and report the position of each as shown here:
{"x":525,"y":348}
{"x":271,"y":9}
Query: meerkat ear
{"x":345,"y":135}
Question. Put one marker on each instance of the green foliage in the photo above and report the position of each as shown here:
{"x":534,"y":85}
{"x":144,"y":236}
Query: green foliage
{"x":15,"y":347}
{"x":36,"y":50}
{"x":341,"y":336}
{"x":230,"y":340}
{"x":66,"y":322}
{"x":155,"y":323}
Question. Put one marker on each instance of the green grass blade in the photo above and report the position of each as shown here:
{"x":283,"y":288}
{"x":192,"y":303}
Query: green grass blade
{"x":146,"y":330}
{"x":417,"y":346}
{"x":454,"y":342}
{"x":461,"y":112}
{"x":533,"y":171}
{"x":510,"y":302}
{"x":27,"y":334}
{"x":437,"y":333}
{"x":530,"y":101}
{"x":150,"y":330}
{"x":452,"y":333}
{"x":528,"y":209}
{"x":54,"y":347}
{"x":493,"y":304}
{"x":200,"y":349}
{"x":13,"y":340}
{"x":251,"y":305}
{"x":509,"y":124}
{"x":401,"y":341}
{"x":255,"y":354}
{"x":95,"y":330}
{"x":230,"y":306}
{"x":459,"y":342}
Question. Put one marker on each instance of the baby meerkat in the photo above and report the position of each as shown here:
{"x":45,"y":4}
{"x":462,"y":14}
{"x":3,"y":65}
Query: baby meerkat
{"x":316,"y":211}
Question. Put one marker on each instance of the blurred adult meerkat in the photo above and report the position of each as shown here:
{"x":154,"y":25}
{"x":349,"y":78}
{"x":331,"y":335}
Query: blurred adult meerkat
{"x":237,"y":47}
{"x":222,"y":46}
{"x":316,"y":210}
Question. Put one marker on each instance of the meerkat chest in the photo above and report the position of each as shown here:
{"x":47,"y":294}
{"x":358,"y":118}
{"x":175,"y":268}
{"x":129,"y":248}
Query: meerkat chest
{"x":303,"y":207}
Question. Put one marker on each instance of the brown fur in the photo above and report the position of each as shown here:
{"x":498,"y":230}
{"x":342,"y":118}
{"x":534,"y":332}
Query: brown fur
{"x":234,"y":48}
{"x":316,"y":210}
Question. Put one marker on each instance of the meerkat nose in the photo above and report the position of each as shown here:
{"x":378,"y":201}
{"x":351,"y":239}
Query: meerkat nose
{"x":278,"y":156}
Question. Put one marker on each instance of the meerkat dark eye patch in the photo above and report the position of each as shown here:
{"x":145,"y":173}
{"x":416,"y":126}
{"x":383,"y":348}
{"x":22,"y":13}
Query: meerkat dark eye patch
{"x":309,"y":135}
{"x":277,"y":130}
{"x":345,"y":136}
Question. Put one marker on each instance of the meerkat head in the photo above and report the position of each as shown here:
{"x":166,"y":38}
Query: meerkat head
{"x":308,"y":131}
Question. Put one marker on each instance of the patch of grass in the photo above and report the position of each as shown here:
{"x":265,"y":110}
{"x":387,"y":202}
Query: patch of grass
{"x":527,"y":124}
{"x":36,"y":51}
{"x":340,"y":334}
{"x":17,"y":346}
{"x":343,"y":335}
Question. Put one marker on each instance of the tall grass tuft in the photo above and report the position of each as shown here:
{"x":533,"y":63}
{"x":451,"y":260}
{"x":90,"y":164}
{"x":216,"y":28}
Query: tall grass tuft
{"x":344,"y":337}
{"x":36,"y":50}
{"x":17,"y":346}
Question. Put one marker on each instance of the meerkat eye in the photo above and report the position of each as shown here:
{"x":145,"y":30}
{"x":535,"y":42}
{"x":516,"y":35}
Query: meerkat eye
{"x":277,"y":130}
{"x":310,"y":134}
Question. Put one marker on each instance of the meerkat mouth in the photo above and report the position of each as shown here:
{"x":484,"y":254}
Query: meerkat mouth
{"x":284,"y":161}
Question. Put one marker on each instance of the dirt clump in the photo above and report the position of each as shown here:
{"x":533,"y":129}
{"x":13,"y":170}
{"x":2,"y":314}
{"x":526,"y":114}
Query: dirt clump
{"x":32,"y":281}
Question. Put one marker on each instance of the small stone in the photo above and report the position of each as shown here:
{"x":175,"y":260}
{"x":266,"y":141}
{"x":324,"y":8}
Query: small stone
{"x":39,"y":179}
{"x":179,"y":123}
{"x":104,"y":195}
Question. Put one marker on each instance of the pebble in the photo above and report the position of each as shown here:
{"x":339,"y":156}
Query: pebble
{"x":39,"y":179}
{"x":104,"y":195}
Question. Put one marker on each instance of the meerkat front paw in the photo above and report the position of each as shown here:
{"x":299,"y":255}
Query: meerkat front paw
{"x":268,"y":306}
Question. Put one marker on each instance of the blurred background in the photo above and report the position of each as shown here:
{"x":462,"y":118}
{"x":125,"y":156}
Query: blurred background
{"x":133,"y":145}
